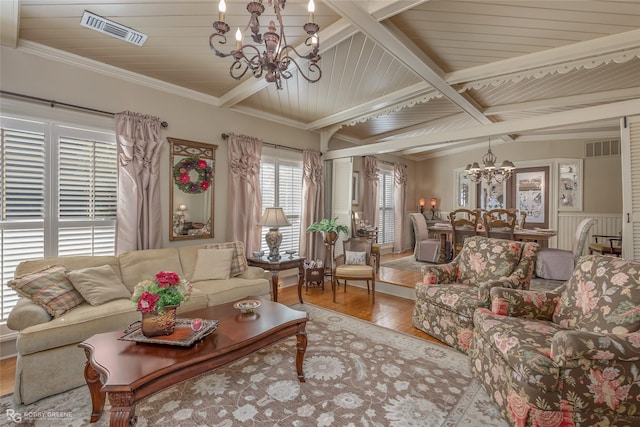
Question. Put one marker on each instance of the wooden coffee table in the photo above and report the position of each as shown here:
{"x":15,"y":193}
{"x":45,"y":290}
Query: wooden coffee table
{"x":130,"y":371}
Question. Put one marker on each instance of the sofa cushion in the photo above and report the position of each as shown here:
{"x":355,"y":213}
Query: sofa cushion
{"x":602,"y":295}
{"x":26,"y":313}
{"x":524,"y":344}
{"x":86,"y":320}
{"x":212,"y":264}
{"x":239,"y":259}
{"x":233,"y":289}
{"x":458,"y":298}
{"x":136,"y":266}
{"x":50,"y":288}
{"x":70,"y":262}
{"x":98,"y":285}
{"x":487,"y":259}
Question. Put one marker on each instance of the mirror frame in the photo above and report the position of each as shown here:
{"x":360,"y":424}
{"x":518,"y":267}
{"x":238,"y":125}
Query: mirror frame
{"x":184,"y":148}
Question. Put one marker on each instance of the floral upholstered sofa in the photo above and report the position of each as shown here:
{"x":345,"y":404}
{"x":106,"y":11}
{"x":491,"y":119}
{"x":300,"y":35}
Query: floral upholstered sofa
{"x":444,"y":308}
{"x":565,"y":358}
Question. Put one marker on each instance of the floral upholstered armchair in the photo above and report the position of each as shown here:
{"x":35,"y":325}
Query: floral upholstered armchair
{"x":450,"y":293}
{"x":567,"y":358}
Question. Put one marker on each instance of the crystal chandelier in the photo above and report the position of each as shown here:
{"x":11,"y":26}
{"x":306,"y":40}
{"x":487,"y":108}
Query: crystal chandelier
{"x":277,"y":56}
{"x":490,"y":172}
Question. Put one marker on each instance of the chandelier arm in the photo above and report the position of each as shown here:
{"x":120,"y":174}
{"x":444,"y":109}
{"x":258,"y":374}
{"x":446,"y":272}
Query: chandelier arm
{"x":314,"y":69}
{"x":220,"y":42}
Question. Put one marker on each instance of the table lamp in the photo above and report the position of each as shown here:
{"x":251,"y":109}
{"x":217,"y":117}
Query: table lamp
{"x":273,"y":218}
{"x":421,"y":204}
{"x":433,"y":203}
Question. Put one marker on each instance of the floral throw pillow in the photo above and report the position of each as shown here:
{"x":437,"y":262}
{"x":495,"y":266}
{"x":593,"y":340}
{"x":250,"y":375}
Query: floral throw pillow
{"x":602,"y":295}
{"x":355,"y":258}
{"x":49,"y":288}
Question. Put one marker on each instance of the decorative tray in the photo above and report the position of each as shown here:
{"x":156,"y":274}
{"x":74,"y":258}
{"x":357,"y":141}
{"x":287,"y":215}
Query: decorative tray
{"x":182,"y":336}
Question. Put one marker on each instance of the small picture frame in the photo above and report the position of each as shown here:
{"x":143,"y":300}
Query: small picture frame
{"x":570,"y":185}
{"x":355,"y":186}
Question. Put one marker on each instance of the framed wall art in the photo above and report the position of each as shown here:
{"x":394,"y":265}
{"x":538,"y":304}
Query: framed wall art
{"x":570,"y":185}
{"x":355,"y":186}
{"x":492,"y":195}
{"x":532,"y":195}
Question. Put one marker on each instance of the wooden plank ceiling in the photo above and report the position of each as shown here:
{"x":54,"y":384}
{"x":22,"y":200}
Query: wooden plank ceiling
{"x":393,"y":72}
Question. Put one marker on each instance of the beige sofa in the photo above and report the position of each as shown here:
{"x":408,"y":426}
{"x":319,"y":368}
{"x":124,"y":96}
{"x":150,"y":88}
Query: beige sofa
{"x":49,"y":360}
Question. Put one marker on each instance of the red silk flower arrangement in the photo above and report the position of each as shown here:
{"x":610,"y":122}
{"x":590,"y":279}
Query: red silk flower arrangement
{"x":182,"y":175}
{"x":166,"y":289}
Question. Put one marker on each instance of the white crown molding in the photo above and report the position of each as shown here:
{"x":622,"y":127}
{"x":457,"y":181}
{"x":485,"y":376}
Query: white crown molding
{"x":556,"y":56}
{"x":114,"y":72}
{"x":585,"y":63}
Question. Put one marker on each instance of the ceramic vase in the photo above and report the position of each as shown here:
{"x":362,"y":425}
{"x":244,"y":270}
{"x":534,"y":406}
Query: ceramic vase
{"x":154,"y":324}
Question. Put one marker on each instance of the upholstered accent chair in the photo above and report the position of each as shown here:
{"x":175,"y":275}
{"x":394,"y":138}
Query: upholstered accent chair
{"x":355,"y":263}
{"x":565,"y":358}
{"x":558,"y":264}
{"x":500,"y":223}
{"x":464,"y":223}
{"x":444,"y":309}
{"x":426,"y":248}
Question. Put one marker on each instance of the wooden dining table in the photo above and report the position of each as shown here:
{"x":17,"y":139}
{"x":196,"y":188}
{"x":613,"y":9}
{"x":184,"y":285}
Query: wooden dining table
{"x":526,"y":234}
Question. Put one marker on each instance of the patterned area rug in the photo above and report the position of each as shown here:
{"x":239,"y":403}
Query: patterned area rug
{"x":410,"y":263}
{"x":358,"y":374}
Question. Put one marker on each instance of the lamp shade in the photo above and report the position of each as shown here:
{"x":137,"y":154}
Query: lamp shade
{"x":434,"y":202}
{"x":274,"y":217}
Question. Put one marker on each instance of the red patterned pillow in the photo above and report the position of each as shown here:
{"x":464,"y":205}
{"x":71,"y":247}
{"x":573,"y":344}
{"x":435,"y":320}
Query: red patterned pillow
{"x":49,"y":288}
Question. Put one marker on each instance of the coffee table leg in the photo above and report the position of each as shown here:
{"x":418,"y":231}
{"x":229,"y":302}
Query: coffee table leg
{"x":301,"y":338}
{"x":92,"y":377}
{"x":123,"y":406}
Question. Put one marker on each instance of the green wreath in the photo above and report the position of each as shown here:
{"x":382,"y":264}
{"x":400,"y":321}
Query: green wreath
{"x":182,"y":175}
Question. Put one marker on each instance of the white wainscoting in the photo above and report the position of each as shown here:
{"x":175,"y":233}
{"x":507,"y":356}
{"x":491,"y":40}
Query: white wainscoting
{"x":609,"y":224}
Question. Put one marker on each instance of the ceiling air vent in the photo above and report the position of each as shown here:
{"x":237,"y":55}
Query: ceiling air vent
{"x":119,"y":31}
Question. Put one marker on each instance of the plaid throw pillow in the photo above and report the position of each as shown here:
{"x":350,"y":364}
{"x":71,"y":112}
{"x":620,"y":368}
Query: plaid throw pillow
{"x":49,"y":288}
{"x":238,"y":259}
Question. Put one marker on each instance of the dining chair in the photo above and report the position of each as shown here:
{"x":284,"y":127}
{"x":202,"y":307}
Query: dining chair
{"x":464,"y":223}
{"x":500,"y":224}
{"x":558,"y":264}
{"x":426,"y":248}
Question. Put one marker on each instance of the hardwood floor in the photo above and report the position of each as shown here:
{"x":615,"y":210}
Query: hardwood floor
{"x":388,"y":311}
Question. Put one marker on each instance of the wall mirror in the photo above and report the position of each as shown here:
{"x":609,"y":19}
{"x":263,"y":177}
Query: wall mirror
{"x":191,"y":194}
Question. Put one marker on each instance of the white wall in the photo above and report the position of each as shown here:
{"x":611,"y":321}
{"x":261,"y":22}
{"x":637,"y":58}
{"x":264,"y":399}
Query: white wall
{"x":188,"y":119}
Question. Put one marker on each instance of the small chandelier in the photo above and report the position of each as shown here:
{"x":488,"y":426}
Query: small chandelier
{"x":277,"y":55}
{"x":490,"y":172}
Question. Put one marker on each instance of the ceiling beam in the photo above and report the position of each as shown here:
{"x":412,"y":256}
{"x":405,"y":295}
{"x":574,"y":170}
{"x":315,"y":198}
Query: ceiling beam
{"x":9,"y":23}
{"x":581,"y":115}
{"x":404,"y":50}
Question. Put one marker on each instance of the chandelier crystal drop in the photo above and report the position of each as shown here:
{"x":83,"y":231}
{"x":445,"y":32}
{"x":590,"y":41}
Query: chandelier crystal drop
{"x":277,"y":55}
{"x":489,"y":172}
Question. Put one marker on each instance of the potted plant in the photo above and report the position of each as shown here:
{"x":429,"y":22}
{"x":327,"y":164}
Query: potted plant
{"x":158,"y":299}
{"x":329,"y":229}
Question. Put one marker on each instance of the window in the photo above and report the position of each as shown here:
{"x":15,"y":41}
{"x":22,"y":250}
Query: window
{"x":281,"y":186}
{"x":58,"y":194}
{"x":385,"y":207}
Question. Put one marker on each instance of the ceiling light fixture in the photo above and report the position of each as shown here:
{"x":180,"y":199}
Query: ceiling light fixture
{"x":277,"y":55}
{"x":490,"y":172}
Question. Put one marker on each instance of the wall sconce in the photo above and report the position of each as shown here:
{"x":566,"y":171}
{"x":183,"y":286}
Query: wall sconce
{"x":421,"y":204}
{"x":433,"y":202}
{"x":273,"y":218}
